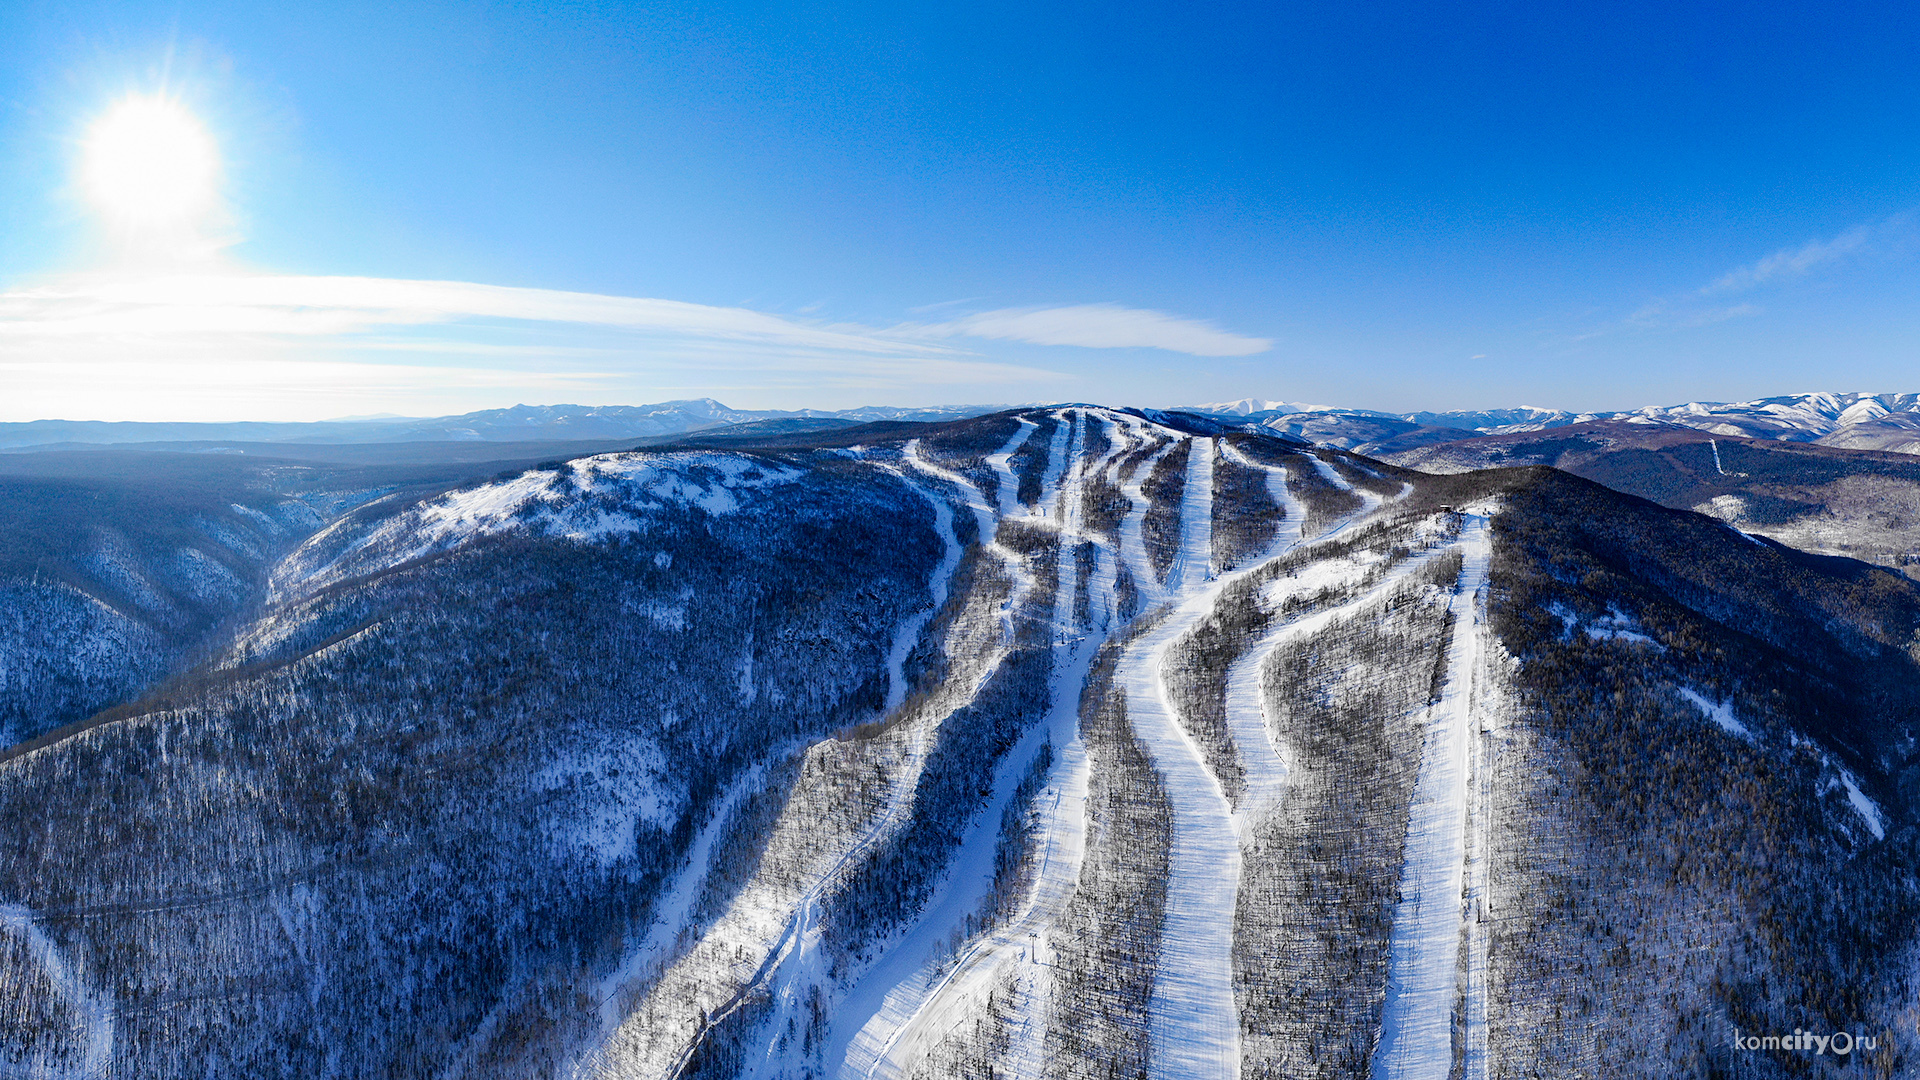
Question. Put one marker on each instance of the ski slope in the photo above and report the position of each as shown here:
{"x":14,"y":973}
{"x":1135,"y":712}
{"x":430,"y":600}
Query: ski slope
{"x":798,"y":971}
{"x":1192,"y":563}
{"x":907,"y":1002}
{"x":768,"y":940}
{"x":1423,"y":966}
{"x":1193,"y":1021}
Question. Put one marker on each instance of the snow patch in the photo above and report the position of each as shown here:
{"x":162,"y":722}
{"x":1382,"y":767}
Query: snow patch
{"x":1613,"y":626}
{"x":1720,"y":713}
{"x":587,"y":500}
{"x":265,"y":521}
{"x":1868,"y":810}
{"x":1834,"y":775}
{"x":613,"y":792}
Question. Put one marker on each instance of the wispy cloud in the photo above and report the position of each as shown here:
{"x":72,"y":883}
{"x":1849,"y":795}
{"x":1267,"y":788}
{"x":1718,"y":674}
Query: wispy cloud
{"x":1718,"y":300}
{"x":1664,"y":314}
{"x":1797,"y":261}
{"x":273,"y":304}
{"x":1096,"y":326}
{"x":333,"y":306}
{"x":131,"y":345}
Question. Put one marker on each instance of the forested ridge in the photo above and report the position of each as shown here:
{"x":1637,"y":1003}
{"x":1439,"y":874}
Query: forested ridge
{"x":1063,"y":742}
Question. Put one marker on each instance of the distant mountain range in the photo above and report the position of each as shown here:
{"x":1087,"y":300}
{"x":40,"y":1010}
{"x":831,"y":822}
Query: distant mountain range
{"x":521,"y":423}
{"x":1859,"y":421}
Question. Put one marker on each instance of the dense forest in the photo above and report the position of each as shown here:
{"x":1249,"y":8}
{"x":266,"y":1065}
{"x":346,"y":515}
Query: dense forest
{"x":1063,"y":742}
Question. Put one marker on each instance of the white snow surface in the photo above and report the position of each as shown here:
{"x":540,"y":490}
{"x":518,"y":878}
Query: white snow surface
{"x":1193,"y":1018}
{"x":1007,"y":491}
{"x":769,"y":938}
{"x":1423,"y":972}
{"x":1868,"y":810}
{"x":1293,"y":512}
{"x":1262,"y":758}
{"x":1194,"y":1023}
{"x":786,"y":937}
{"x":1720,"y":712}
{"x":585,"y":500}
{"x":903,"y":1005}
{"x":1133,"y":537}
{"x":1330,"y":474}
{"x":1616,"y":626}
{"x":1193,"y":561}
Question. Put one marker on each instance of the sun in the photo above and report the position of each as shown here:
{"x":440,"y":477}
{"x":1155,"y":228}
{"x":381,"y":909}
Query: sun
{"x":150,"y":163}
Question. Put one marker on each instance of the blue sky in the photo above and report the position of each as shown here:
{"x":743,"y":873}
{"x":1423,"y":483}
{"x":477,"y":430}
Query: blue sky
{"x":428,"y":208}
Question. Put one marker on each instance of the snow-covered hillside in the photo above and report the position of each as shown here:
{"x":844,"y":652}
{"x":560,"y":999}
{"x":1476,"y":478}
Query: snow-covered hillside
{"x":1857,"y":421}
{"x":1069,"y":742}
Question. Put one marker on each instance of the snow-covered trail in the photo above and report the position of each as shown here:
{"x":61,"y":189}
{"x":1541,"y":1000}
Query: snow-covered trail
{"x":1369,"y":501}
{"x":1007,"y":491}
{"x":923,"y":999}
{"x":670,"y":918}
{"x":94,"y":1013}
{"x":987,"y":517}
{"x":1423,"y":965}
{"x":1068,"y":439}
{"x":1293,"y":512}
{"x":1193,"y":1022}
{"x":1192,"y":564}
{"x":798,"y":968}
{"x":1263,"y":761}
{"x":676,"y":905}
{"x":937,"y":588}
{"x":779,"y":927}
{"x":1133,"y":530}
{"x":1194,"y":1019}
{"x":1194,"y":1025}
{"x":1328,"y":473}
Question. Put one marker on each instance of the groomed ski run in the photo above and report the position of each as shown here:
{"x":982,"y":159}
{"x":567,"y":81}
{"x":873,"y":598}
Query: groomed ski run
{"x":925,"y":985}
{"x":1424,"y":976}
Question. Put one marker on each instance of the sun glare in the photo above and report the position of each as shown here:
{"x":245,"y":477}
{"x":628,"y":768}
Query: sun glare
{"x":150,"y":163}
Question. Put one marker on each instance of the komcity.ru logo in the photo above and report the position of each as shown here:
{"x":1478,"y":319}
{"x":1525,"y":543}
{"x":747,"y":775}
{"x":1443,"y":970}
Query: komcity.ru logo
{"x":1840,"y":1042}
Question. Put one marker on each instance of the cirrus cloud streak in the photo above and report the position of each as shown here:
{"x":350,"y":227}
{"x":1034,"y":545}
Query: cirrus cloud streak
{"x":126,"y":345}
{"x":1096,"y":326}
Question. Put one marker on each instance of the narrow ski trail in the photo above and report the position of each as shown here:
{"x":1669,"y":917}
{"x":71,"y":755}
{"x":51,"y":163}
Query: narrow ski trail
{"x":1194,"y":1019}
{"x":797,"y":969}
{"x":1262,"y":758}
{"x":671,"y":914}
{"x":1293,"y":512}
{"x":1423,"y":965}
{"x":923,"y":998}
{"x":1193,"y":1023}
{"x":1192,"y":564}
{"x":1133,"y":530}
{"x":1007,"y":490}
{"x":768,"y":940}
